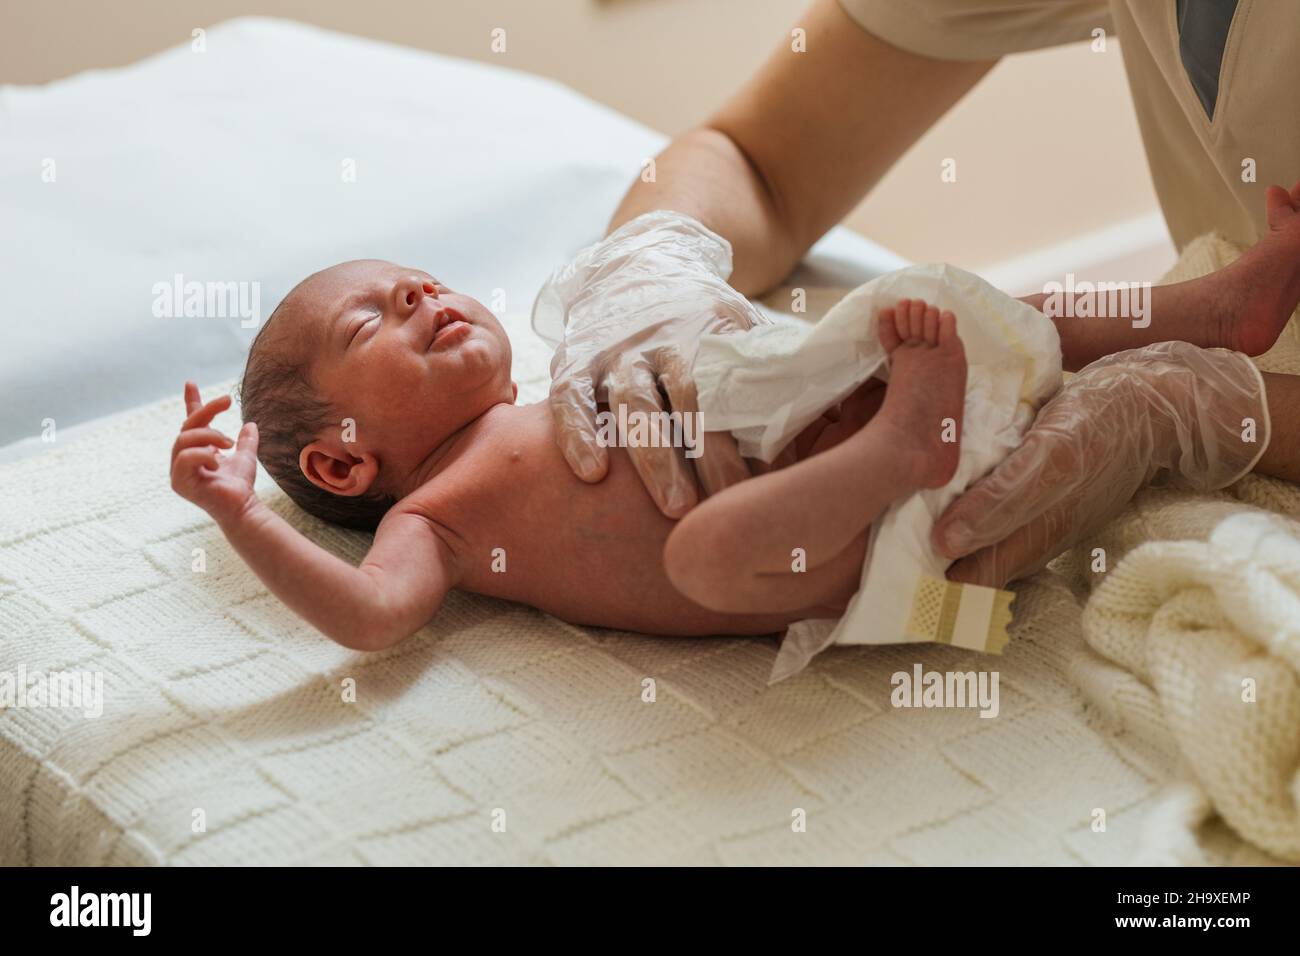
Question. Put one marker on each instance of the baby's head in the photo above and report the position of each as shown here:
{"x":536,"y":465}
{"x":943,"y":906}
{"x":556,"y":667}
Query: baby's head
{"x":358,"y":377}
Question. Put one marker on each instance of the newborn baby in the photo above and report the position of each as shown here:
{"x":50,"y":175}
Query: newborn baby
{"x":378,"y":398}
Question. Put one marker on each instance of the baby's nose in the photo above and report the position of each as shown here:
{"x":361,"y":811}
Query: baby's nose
{"x":409,"y":292}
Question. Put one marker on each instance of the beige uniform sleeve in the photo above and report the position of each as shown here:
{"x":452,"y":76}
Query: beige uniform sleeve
{"x":978,"y":29}
{"x":1210,"y":169}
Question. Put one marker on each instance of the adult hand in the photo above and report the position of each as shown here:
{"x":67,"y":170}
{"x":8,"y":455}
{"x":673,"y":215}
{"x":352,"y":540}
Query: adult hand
{"x":629,"y":311}
{"x":1169,"y":409}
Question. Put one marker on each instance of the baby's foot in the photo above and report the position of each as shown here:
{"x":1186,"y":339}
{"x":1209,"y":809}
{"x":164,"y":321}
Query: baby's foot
{"x":1262,"y":288}
{"x":927,"y":390}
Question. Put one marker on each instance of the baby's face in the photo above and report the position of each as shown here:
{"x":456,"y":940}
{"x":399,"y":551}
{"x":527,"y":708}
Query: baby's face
{"x":405,"y":357}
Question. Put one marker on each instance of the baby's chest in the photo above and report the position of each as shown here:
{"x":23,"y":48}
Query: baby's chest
{"x":530,"y":518}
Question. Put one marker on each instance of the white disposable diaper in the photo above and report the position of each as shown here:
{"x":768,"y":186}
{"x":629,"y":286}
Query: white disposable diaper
{"x":768,"y":384}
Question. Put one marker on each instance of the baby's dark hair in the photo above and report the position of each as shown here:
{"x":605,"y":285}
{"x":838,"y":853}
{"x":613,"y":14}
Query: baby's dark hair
{"x":277,"y":393}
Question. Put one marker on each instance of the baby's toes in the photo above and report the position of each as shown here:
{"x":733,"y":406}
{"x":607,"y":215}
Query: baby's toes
{"x":888,"y":330}
{"x":947,"y":327}
{"x":949,"y":340}
{"x":1279,"y":206}
{"x":931,"y":325}
{"x":916,"y":320}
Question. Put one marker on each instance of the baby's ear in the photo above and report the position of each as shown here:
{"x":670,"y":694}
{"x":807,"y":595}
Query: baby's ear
{"x":336,"y":470}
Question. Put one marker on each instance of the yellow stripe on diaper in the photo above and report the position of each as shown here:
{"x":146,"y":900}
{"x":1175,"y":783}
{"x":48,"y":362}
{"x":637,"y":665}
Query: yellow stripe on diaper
{"x":964,"y":615}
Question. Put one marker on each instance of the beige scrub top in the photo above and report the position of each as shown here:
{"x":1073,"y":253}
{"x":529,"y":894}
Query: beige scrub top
{"x":1199,"y":124}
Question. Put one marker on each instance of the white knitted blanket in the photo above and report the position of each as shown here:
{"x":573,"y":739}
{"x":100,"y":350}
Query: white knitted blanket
{"x":233,"y":733}
{"x":1196,"y":629}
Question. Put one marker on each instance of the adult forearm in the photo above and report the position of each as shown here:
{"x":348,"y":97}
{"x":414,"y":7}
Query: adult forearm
{"x":704,"y":174}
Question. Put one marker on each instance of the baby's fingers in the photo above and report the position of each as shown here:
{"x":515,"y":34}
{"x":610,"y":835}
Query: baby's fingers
{"x":192,"y":400}
{"x":247,"y":444}
{"x":193,"y":437}
{"x":204,"y":414}
{"x":190,"y":460}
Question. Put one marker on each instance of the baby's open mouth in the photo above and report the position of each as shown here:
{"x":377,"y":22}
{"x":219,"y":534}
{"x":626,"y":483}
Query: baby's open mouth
{"x":449,"y":327}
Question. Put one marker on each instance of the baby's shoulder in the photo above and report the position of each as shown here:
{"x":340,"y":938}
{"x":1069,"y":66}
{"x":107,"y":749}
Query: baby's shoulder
{"x":434,"y":506}
{"x":496,"y":475}
{"x":470,"y":488}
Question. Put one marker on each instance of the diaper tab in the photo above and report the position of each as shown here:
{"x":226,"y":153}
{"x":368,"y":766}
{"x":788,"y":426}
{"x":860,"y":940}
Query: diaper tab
{"x":963,"y":615}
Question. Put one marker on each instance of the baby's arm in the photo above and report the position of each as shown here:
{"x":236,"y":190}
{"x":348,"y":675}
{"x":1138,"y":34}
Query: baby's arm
{"x":397,"y":588}
{"x":395,"y":591}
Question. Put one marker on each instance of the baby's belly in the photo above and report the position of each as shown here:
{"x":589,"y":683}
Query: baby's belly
{"x":593,"y":555}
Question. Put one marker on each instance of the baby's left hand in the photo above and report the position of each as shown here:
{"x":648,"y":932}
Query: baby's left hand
{"x":223,"y":487}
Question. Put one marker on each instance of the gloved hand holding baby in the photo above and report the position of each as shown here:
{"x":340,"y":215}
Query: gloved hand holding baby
{"x":629,"y":313}
{"x":1170,"y":409}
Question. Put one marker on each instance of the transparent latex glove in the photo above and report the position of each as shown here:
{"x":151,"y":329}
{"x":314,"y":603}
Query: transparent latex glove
{"x":1169,"y":411}
{"x":628,"y":313}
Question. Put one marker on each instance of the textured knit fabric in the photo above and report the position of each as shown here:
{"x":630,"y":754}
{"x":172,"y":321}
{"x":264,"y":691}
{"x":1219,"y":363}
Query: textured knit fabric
{"x":218,"y":699}
{"x":1197,"y":621}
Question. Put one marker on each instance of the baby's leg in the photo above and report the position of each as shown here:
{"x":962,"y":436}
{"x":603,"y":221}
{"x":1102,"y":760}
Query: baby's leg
{"x":1241,"y":307}
{"x":738,"y":550}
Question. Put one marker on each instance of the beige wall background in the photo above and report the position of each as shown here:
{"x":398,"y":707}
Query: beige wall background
{"x":1047,"y":147}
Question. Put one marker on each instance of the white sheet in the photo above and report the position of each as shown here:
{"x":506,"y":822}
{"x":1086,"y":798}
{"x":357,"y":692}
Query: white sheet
{"x":227,"y":165}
